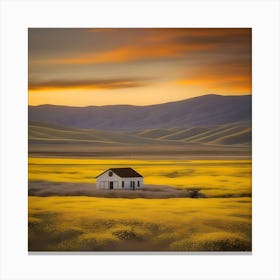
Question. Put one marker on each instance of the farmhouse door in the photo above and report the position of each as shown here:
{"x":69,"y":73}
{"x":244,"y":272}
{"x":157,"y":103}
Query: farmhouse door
{"x":111,"y":185}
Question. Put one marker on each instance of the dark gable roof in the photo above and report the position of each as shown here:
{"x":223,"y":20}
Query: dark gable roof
{"x":124,"y":172}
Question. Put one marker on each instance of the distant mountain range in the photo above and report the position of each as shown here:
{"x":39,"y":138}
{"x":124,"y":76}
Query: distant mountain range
{"x":191,"y":114}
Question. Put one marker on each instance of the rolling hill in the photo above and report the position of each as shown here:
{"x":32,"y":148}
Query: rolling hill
{"x":190,"y":114}
{"x":231,"y":134}
{"x":48,"y":133}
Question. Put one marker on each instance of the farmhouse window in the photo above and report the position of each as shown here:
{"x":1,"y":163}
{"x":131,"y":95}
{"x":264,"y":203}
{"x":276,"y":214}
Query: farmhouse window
{"x":122,"y":184}
{"x":110,"y":173}
{"x":138,"y":184}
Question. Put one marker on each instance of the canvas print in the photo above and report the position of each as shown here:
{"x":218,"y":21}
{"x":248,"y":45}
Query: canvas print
{"x":139,"y":140}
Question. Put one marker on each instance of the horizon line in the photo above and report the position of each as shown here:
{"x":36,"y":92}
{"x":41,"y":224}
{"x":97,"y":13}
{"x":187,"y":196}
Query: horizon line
{"x":194,"y":97}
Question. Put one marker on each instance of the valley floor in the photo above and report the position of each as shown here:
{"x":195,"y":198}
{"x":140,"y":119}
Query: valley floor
{"x":145,"y":152}
{"x":62,"y":218}
{"x":106,"y":224}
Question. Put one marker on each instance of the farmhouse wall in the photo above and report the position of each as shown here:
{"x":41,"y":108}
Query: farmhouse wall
{"x":103,"y":181}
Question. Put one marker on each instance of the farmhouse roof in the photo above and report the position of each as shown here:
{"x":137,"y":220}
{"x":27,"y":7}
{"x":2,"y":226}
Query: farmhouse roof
{"x":124,"y":172}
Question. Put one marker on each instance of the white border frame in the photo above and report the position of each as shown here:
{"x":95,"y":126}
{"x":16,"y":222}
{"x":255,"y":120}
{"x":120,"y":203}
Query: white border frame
{"x":262,"y":16}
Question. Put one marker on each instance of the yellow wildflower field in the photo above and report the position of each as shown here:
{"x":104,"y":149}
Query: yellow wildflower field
{"x":221,"y":222}
{"x":213,"y":177}
{"x":105,"y":224}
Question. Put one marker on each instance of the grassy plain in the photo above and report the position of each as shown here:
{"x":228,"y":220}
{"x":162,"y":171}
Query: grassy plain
{"x":79,"y":223}
{"x":104,"y":224}
{"x":213,"y":177}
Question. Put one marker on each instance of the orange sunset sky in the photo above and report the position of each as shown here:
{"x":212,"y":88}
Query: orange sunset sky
{"x":139,"y":66}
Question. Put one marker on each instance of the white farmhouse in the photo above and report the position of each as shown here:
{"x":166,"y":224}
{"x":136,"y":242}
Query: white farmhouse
{"x":120,"y":178}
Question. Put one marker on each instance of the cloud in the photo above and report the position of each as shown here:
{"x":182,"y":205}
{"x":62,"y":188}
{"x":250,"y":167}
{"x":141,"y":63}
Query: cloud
{"x":225,"y":40}
{"x":233,"y":75}
{"x":130,"y":54}
{"x":154,"y":44}
{"x":233,"y":84}
{"x":87,"y":84}
{"x":119,"y":55}
{"x":208,"y":37}
{"x":98,"y":30}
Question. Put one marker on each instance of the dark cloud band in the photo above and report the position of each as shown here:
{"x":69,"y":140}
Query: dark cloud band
{"x":88,"y":84}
